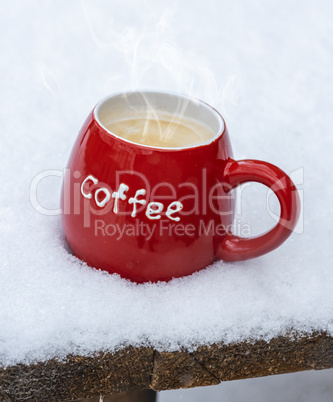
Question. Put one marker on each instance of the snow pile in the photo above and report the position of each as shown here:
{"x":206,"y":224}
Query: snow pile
{"x":268,"y":69}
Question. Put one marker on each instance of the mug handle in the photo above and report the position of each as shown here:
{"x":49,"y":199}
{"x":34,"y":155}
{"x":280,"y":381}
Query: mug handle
{"x":234,"y":248}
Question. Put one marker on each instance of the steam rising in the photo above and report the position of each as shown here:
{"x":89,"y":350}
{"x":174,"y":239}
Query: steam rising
{"x":147,"y":43}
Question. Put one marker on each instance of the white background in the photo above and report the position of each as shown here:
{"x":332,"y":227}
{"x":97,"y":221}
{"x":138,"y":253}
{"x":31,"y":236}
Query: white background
{"x":267,"y":66}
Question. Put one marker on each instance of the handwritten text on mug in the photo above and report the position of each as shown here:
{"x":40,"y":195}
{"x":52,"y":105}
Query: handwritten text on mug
{"x":153,"y":209}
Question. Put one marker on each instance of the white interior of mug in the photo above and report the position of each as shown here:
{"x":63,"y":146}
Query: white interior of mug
{"x":132,"y":104}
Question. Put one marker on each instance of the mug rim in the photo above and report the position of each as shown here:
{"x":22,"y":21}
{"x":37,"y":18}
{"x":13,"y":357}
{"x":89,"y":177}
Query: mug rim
{"x":220,"y":132}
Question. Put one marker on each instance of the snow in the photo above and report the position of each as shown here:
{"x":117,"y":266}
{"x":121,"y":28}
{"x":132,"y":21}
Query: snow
{"x":266,"y":65}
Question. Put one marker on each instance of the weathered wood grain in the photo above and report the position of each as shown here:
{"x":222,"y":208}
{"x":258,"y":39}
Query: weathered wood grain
{"x":143,"y":368}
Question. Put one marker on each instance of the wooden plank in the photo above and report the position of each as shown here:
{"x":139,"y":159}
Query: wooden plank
{"x":174,"y":370}
{"x":146,"y":395}
{"x":280,"y":355}
{"x":132,"y":368}
{"x":78,"y":376}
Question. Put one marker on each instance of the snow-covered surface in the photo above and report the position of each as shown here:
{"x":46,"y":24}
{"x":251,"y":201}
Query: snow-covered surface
{"x":266,"y":65}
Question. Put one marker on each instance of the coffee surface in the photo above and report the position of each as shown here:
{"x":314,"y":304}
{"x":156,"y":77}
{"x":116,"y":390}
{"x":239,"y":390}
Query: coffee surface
{"x":165,"y":131}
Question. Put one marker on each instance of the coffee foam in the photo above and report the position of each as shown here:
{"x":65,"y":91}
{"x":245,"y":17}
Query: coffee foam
{"x":160,"y":129}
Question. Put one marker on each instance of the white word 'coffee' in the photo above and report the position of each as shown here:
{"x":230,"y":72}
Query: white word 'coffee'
{"x":153,"y":209}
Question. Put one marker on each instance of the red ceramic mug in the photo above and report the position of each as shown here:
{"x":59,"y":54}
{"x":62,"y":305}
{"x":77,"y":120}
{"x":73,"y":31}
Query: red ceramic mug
{"x":153,"y":213}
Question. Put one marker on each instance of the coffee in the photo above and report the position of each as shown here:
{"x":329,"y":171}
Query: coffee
{"x":163,"y":130}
